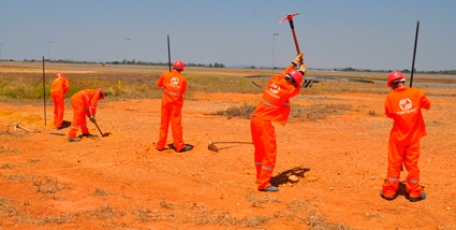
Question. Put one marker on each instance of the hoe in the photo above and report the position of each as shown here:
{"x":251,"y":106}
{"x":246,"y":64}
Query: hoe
{"x":214,"y":148}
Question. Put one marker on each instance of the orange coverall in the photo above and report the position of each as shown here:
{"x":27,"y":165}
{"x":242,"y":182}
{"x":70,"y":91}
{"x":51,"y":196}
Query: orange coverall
{"x":59,"y":88}
{"x":274,"y":106}
{"x":404,"y":106}
{"x":174,"y":86}
{"x":84,"y":105}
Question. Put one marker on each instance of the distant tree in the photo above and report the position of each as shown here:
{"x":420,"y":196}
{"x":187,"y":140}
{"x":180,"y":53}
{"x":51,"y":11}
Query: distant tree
{"x":350,"y":69}
{"x":219,"y":65}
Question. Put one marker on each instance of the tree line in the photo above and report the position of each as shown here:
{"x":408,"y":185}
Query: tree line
{"x":221,"y":65}
{"x":350,"y":69}
{"x":132,"y":62}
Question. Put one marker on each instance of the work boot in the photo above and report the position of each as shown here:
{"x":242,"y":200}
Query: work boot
{"x":186,"y":148}
{"x":270,"y":188}
{"x":74,"y":139}
{"x":422,"y":197}
{"x":385,"y":197}
{"x":88,"y":135}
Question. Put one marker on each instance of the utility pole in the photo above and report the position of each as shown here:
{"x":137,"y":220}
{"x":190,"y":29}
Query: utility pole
{"x":273,"y":51}
{"x":126,"y":42}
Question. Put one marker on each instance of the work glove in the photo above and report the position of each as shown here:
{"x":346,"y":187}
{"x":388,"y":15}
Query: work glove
{"x":303,"y":68}
{"x":298,"y":59}
{"x":92,"y":119}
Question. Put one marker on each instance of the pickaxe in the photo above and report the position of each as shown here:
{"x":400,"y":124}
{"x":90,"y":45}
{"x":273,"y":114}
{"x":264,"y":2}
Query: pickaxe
{"x":290,"y":20}
{"x":16,"y":126}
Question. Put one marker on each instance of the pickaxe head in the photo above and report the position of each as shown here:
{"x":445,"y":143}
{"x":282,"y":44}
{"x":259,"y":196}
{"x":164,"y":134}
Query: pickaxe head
{"x":288,"y":17}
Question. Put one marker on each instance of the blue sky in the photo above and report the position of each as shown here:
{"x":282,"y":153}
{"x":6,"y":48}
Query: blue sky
{"x":332,"y":33}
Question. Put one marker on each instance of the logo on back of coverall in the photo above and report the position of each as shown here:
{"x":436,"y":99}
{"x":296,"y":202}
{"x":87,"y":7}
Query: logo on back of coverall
{"x":175,"y":81}
{"x":275,"y":88}
{"x":406,"y":106}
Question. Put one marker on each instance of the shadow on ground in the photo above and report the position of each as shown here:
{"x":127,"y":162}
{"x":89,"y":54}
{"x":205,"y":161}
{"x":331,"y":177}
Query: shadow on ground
{"x":282,"y":178}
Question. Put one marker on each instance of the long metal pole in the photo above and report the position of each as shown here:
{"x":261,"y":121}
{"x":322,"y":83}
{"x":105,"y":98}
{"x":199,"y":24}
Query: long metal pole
{"x":169,"y":55}
{"x":44,"y":94}
{"x":414,"y":51}
{"x":273,"y":51}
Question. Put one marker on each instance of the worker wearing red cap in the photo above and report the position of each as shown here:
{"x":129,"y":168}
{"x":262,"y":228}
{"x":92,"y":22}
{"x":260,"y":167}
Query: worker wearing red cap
{"x":84,"y":105}
{"x":174,"y":86}
{"x":404,"y":105}
{"x":59,"y":88}
{"x":274,"y":106}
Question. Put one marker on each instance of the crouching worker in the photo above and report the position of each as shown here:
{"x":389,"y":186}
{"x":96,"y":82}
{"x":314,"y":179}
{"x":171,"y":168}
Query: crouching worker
{"x":274,"y":106}
{"x":84,"y":105}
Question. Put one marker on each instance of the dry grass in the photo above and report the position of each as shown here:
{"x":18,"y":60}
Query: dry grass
{"x":7,"y":166}
{"x":6,"y":209}
{"x":244,"y":111}
{"x":48,"y":185}
{"x":317,"y":111}
{"x":4,"y":149}
{"x":122,"y":83}
{"x":18,"y":177}
{"x":296,"y":213}
{"x":259,"y":202}
{"x":148,"y":215}
{"x":100,"y":192}
{"x":166,"y":204}
{"x":298,"y":113}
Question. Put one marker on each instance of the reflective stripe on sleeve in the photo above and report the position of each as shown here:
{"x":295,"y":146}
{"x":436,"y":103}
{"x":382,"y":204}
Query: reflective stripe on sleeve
{"x":87,"y":97}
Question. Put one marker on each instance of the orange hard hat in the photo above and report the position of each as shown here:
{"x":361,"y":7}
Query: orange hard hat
{"x":102,"y":93}
{"x":393,"y":77}
{"x":179,"y":65}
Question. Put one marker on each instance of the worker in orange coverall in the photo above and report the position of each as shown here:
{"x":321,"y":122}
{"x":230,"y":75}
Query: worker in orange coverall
{"x":84,"y":105}
{"x":404,"y":106}
{"x":274,"y":106}
{"x":174,"y":86}
{"x":59,"y":88}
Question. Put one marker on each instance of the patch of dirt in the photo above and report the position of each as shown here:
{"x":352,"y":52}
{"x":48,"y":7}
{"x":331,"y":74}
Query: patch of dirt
{"x":122,"y":182}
